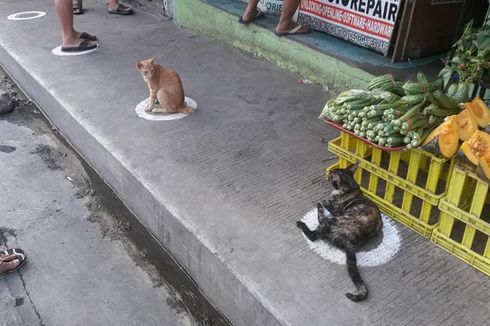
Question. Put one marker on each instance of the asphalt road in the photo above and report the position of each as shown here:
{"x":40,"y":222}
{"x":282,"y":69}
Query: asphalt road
{"x":90,"y":262}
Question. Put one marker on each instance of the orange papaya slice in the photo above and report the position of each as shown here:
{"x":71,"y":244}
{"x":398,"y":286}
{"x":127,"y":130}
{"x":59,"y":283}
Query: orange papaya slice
{"x":448,"y":138}
{"x":466,"y":149}
{"x":480,"y":111}
{"x":467,"y":124}
{"x":477,"y":146}
{"x":434,"y":133}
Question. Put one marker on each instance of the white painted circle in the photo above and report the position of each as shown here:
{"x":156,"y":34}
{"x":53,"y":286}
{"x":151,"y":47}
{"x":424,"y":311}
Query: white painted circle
{"x":383,"y":253}
{"x":140,"y":111}
{"x":26,"y":15}
{"x":57,"y":51}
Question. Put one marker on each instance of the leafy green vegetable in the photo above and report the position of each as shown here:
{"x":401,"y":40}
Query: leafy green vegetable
{"x":470,"y":55}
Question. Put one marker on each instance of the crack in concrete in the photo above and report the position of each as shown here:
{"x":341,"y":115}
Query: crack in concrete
{"x":32,"y":302}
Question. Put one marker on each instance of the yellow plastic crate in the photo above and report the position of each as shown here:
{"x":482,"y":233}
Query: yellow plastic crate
{"x":407,"y":185}
{"x":464,"y":229}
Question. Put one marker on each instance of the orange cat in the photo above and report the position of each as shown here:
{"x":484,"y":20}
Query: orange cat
{"x":165,"y":85}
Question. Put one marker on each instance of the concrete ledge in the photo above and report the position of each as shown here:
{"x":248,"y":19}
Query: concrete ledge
{"x":316,"y":56}
{"x":285,"y":52}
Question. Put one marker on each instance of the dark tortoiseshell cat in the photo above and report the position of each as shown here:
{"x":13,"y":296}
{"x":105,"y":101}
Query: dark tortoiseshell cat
{"x":353,"y":220}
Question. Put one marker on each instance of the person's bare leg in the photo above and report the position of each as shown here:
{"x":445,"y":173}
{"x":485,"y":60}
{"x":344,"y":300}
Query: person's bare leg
{"x":250,"y":10}
{"x":70,"y":36}
{"x":286,"y":20}
{"x":112,"y":4}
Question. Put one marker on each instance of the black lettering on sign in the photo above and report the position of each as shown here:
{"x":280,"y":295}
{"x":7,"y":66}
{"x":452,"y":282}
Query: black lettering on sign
{"x":385,"y":10}
{"x":362,"y":4}
{"x":392,"y":14}
{"x":377,"y":9}
{"x":370,"y":5}
{"x":345,"y":3}
{"x":353,"y":5}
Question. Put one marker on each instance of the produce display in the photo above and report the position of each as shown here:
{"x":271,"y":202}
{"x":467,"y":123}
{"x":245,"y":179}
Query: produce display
{"x":394,"y":113}
{"x":434,"y":114}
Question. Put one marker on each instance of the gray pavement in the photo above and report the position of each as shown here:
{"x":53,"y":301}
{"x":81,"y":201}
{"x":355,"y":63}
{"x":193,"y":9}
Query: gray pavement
{"x":222,"y":189}
{"x":88,"y":261}
{"x":74,"y":275}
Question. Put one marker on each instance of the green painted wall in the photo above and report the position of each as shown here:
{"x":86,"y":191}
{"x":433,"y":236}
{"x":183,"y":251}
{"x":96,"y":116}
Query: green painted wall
{"x":291,"y":55}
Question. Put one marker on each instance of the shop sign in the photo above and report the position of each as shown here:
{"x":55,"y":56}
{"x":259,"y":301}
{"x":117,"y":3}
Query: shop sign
{"x":273,"y":7}
{"x":368,"y":23}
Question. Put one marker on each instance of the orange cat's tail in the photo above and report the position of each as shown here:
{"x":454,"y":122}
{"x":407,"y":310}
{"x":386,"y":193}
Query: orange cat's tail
{"x":186,"y":109}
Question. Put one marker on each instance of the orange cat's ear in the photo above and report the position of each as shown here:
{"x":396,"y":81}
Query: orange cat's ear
{"x":152,"y":61}
{"x":139,"y":65}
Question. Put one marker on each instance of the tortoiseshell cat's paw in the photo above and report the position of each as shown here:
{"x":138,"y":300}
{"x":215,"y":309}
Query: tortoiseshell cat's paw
{"x":302,"y":226}
{"x":311,"y":235}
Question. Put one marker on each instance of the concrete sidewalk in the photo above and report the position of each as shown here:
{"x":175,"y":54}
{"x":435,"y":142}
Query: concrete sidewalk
{"x":89,"y":263}
{"x":222,"y":189}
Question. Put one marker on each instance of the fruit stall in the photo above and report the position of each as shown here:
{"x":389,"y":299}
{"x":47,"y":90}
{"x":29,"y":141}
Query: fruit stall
{"x":423,"y":147}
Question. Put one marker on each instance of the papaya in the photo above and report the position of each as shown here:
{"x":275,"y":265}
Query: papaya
{"x":477,"y":146}
{"x":444,"y":139}
{"x":435,"y":133}
{"x":448,"y":138}
{"x":467,"y":124}
{"x":468,"y":153}
{"x":480,"y":111}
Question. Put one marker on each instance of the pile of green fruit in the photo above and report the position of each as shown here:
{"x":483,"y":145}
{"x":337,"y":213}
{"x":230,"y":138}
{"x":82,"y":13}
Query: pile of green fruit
{"x":396,"y":113}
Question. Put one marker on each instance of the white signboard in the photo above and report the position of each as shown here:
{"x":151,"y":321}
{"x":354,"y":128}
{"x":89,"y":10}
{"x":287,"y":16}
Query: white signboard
{"x":368,"y":23}
{"x":273,"y":7}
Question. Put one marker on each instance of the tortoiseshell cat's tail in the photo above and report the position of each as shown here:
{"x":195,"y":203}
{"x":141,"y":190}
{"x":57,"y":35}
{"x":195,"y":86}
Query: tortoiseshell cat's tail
{"x":361,"y":288}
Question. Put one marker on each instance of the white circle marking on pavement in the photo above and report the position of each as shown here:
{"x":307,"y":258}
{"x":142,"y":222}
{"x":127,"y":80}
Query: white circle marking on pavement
{"x":26,"y":15}
{"x":57,"y":51}
{"x":140,"y":111}
{"x":383,"y":253}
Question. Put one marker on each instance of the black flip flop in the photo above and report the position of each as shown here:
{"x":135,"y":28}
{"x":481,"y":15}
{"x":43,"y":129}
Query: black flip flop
{"x":258,"y":14}
{"x":121,"y":10}
{"x":87,"y":36}
{"x":19,"y":254}
{"x":83,"y":46}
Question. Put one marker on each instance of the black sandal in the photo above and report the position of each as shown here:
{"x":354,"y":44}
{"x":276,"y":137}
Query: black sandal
{"x":87,"y":36}
{"x":19,"y":254}
{"x":78,"y":7}
{"x":83,"y":46}
{"x":121,"y":10}
{"x":258,"y":14}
